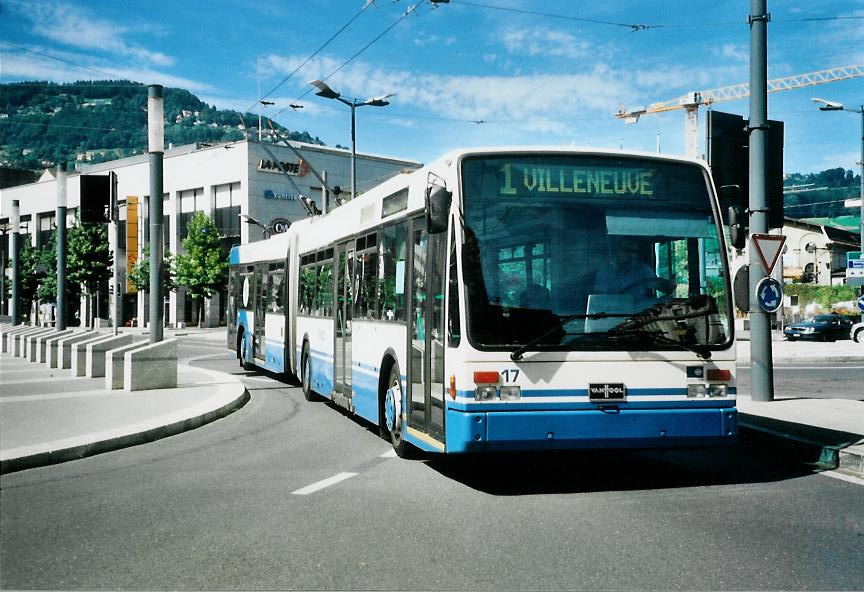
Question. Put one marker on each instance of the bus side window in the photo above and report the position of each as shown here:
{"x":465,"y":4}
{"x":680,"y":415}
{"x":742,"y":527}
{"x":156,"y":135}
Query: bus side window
{"x":324,"y":293}
{"x":392,"y":273}
{"x":454,"y":330}
{"x":308,"y":282}
{"x":274,"y":301}
{"x":366,"y":270}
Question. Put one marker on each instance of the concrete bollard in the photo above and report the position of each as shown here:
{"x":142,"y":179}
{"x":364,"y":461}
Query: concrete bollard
{"x":114,"y":364}
{"x":42,"y":343}
{"x":30,"y":343}
{"x":94,"y":359}
{"x":19,"y":341}
{"x":78,"y":354}
{"x":64,"y":348}
{"x":6,"y":341}
{"x":153,"y":366}
{"x":53,"y":351}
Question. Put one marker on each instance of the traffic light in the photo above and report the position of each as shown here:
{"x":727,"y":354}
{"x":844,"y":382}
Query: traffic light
{"x":729,"y":159}
{"x":95,"y":199}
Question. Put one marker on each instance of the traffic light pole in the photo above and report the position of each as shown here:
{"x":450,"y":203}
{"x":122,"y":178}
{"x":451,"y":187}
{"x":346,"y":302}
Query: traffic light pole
{"x":762,"y":366}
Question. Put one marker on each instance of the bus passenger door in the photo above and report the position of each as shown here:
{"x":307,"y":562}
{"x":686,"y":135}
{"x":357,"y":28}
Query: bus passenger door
{"x":261,"y":288}
{"x":344,"y":308}
{"x":426,"y":384}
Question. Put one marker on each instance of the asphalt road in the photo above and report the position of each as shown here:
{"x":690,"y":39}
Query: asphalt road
{"x":818,"y":381}
{"x":286,"y":494}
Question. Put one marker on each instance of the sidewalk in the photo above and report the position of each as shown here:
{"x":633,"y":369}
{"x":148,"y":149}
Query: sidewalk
{"x":47,"y":416}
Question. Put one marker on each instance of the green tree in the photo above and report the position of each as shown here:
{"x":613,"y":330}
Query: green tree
{"x":88,"y":257}
{"x":139,"y":275}
{"x":203,"y":268}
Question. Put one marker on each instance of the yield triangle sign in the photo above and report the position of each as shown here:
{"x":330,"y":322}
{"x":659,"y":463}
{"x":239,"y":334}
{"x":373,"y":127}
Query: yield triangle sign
{"x":768,"y":246}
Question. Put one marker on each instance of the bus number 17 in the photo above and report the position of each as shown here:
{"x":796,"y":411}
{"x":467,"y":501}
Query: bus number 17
{"x":510,"y":375}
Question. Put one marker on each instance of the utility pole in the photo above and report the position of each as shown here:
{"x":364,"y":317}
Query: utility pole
{"x":762,"y":373}
{"x":156,"y":146}
{"x":60,"y":215}
{"x":15,"y":219}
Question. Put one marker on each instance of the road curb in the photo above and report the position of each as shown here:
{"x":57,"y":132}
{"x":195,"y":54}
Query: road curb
{"x":224,"y":402}
{"x":843,"y":451}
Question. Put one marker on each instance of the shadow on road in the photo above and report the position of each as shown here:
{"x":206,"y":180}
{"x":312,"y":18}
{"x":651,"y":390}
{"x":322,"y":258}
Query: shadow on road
{"x":755,"y":458}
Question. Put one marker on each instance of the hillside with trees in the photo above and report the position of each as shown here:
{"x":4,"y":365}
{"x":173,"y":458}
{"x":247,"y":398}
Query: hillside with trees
{"x":43,"y":123}
{"x":820,"y":197}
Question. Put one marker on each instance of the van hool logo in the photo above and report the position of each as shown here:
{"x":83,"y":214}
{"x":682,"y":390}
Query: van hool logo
{"x":298,"y":169}
{"x":607,"y":391}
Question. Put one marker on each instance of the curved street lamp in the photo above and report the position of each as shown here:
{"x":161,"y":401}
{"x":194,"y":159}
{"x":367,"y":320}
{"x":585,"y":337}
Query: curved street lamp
{"x":328,"y":93}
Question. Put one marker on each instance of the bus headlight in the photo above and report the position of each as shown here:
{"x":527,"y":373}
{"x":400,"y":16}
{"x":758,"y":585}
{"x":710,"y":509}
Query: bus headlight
{"x":701,"y":391}
{"x":717,"y":390}
{"x":485,"y":393}
{"x":511,"y":393}
{"x":695,"y":391}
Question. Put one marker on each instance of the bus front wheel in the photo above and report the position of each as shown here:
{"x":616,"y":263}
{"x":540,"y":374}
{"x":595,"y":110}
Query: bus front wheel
{"x":392,"y":421}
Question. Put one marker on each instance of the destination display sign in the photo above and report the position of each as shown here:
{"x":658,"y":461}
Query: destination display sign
{"x":577,"y":177}
{"x":518,"y":179}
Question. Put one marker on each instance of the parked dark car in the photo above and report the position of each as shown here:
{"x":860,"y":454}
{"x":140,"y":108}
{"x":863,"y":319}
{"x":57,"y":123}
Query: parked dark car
{"x":821,"y":327}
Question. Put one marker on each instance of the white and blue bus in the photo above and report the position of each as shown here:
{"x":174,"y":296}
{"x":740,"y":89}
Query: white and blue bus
{"x":507,"y":299}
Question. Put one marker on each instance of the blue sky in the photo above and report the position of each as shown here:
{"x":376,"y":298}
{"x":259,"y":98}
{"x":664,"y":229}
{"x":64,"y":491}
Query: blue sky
{"x":467,"y":73}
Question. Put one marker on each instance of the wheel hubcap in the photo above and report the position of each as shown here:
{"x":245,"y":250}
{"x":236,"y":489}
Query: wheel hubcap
{"x":393,"y":407}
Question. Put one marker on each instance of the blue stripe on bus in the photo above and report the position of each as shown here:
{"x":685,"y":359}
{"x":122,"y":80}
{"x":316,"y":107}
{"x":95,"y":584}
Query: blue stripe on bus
{"x":585,"y":405}
{"x":585,"y":429}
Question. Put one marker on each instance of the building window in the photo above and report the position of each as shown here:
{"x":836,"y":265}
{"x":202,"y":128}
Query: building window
{"x":191,"y":201}
{"x":46,"y":229}
{"x":228,"y":209}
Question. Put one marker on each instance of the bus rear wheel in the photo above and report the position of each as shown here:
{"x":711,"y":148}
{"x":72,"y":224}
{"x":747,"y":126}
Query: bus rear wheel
{"x":306,"y":373}
{"x":244,"y":347}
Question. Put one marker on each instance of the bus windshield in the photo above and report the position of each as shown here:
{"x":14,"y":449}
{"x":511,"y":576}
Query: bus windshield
{"x":578,"y":252}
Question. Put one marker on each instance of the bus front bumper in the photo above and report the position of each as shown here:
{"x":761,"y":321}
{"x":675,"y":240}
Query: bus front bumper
{"x":487,"y":431}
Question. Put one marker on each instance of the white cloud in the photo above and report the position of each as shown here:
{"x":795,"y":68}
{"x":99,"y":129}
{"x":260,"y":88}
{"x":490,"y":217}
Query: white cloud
{"x":538,"y":100}
{"x":545,"y":42}
{"x":76,"y":27}
{"x":25,"y":66}
{"x":733,"y":52}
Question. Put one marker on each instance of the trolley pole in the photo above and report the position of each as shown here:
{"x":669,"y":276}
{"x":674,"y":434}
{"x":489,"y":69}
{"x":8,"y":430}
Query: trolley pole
{"x":15,"y":219}
{"x":156,"y":144}
{"x":60,"y":309}
{"x":762,"y":372}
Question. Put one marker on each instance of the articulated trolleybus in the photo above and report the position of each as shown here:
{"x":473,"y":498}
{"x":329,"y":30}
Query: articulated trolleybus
{"x":502,"y":300}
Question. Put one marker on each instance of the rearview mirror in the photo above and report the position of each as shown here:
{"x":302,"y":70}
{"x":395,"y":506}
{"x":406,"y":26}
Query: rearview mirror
{"x":437,"y":209}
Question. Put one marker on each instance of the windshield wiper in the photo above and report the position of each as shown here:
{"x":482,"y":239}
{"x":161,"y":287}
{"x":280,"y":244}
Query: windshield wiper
{"x":517,"y":353}
{"x":657,"y":336}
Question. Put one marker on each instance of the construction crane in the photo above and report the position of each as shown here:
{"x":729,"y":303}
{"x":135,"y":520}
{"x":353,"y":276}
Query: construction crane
{"x":693,"y":100}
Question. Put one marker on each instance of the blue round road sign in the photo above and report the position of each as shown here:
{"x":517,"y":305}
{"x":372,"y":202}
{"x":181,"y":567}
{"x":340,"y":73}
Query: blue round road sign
{"x":861,"y":303}
{"x":769,"y":293}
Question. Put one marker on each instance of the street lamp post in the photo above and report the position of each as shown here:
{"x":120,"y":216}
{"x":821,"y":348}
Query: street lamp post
{"x":250,"y":220}
{"x":835,"y":106}
{"x":328,"y":93}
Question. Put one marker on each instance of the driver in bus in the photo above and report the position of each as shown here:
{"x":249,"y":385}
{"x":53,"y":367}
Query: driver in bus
{"x":629,"y":272}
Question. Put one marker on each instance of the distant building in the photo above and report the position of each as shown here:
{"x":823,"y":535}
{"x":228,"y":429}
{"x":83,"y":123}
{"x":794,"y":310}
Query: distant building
{"x":813,"y":253}
{"x":225,"y":180}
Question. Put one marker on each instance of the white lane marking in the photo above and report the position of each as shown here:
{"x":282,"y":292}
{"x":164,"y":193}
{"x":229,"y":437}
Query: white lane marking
{"x":389,"y":454}
{"x":843,"y":477}
{"x":324,"y":483}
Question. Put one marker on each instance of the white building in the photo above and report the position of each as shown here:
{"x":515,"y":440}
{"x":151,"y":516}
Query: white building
{"x":225,"y":180}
